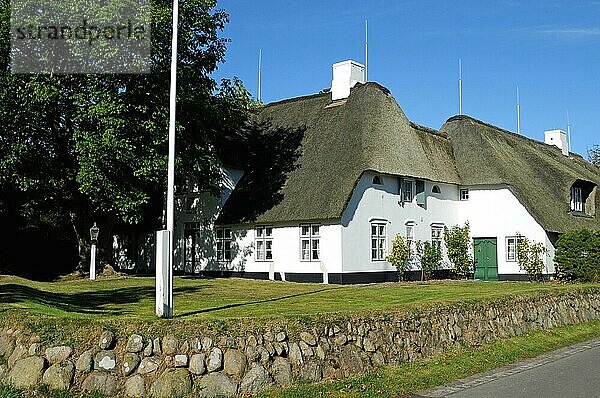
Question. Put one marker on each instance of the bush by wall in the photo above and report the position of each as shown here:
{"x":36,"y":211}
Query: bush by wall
{"x":530,"y":255}
{"x":458,"y":246}
{"x":578,"y":256}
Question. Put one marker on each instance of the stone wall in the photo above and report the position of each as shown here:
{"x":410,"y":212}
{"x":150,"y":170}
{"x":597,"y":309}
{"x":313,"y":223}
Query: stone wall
{"x":226,"y":364}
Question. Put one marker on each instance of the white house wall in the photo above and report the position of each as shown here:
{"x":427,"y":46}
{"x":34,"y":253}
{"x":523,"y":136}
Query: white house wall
{"x":286,"y":251}
{"x":382,"y":202}
{"x":495,"y":212}
{"x":492,"y":212}
{"x":345,"y":245}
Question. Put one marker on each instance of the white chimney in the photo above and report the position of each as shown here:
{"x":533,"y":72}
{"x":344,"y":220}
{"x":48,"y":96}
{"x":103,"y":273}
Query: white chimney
{"x":345,"y":75}
{"x":557,"y":138}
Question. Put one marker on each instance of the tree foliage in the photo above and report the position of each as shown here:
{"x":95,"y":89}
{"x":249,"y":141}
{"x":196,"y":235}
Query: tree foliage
{"x":530,"y":256}
{"x":594,"y":155}
{"x":458,"y":247}
{"x":429,"y":256}
{"x":400,"y":255}
{"x":577,"y":256}
{"x":81,"y":148}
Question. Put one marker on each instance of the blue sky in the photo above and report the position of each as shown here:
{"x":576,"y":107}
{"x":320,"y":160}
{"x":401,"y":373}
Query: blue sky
{"x":550,"y":49}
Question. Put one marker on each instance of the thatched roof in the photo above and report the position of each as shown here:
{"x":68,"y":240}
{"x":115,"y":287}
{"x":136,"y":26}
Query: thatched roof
{"x":369,"y":131}
{"x":539,"y":175}
{"x":343,"y":139}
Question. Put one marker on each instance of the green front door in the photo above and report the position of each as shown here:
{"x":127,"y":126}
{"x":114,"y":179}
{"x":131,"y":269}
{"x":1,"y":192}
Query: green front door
{"x":486,"y":259}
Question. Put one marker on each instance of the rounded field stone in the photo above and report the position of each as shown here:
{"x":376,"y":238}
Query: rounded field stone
{"x":234,"y":363}
{"x":85,"y":362}
{"x":215,"y":360}
{"x":103,"y":383}
{"x":58,"y":354}
{"x":59,"y":376}
{"x":135,"y":343}
{"x":27,"y":372}
{"x":196,"y":365}
{"x":217,"y":385}
{"x":135,"y":387}
{"x":257,"y":379}
{"x":107,"y":339}
{"x":172,"y":383}
{"x":105,"y":360}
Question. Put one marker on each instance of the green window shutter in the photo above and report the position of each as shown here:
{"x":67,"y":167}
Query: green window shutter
{"x":420,"y":190}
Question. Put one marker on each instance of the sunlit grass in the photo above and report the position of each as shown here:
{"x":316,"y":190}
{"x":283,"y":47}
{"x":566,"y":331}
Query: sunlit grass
{"x":133,"y":298}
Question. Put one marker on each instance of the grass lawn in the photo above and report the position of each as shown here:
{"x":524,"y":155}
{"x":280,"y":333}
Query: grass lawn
{"x":216,"y":299}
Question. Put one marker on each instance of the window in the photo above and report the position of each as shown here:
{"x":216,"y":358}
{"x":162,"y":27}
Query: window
{"x":310,"y":242}
{"x":437,"y":233}
{"x":377,"y":180}
{"x":410,"y":234}
{"x":406,"y":190}
{"x":577,"y":199}
{"x":436,"y":189}
{"x":420,"y":193}
{"x":264,"y":243}
{"x":223,"y":244}
{"x":511,"y":248}
{"x":378,"y":241}
{"x":464,"y":194}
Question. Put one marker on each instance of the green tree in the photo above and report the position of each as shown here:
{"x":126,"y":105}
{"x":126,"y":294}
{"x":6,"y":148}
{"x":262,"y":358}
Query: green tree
{"x":430,"y":258}
{"x":530,"y":256}
{"x":458,"y":247}
{"x":81,"y":148}
{"x":400,"y":255}
{"x":577,"y":256}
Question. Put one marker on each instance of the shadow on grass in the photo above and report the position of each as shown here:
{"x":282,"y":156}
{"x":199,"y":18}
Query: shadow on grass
{"x":95,"y":302}
{"x":234,"y":305}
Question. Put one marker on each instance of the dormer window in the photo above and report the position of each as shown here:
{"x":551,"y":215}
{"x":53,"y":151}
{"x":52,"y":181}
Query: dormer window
{"x":583,"y":198}
{"x":377,"y":180}
{"x":406,"y":190}
{"x":577,"y":199}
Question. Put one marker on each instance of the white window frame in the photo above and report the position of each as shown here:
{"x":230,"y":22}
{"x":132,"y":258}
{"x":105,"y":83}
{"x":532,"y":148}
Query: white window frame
{"x":577,"y":199}
{"x":464,"y":194}
{"x":410,"y":234}
{"x":511,"y":255}
{"x":223,"y":238}
{"x":378,"y":230}
{"x":311,"y":235}
{"x":403,"y":191}
{"x":437,"y":235}
{"x":263,"y":243}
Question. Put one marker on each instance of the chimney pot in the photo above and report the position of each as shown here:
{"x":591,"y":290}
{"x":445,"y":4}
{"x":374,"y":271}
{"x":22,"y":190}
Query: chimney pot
{"x":557,"y":138}
{"x":345,"y":76}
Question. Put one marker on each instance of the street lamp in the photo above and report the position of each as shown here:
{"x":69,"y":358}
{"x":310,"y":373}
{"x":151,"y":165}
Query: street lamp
{"x":94,"y":231}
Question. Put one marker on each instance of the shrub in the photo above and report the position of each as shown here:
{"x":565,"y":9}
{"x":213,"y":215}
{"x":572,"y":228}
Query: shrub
{"x":578,"y":256}
{"x":458,"y":247}
{"x":399,"y":255}
{"x":530,"y":256}
{"x":430,"y":258}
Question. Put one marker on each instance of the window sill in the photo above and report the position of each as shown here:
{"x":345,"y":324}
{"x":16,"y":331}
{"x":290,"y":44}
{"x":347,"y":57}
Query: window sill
{"x":580,"y":214}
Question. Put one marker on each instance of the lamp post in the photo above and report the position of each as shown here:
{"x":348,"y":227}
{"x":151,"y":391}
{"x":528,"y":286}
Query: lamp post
{"x":94,"y":231}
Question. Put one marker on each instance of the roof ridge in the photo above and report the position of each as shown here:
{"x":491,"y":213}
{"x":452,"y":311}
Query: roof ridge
{"x":429,"y":130}
{"x":503,"y":130}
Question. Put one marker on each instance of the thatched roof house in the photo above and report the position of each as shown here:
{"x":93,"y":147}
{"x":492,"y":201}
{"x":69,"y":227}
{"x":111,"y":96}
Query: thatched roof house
{"x":369,"y":131}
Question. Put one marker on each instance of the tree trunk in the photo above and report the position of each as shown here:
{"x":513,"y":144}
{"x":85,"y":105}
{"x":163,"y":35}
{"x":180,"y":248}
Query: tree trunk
{"x":82,"y":246}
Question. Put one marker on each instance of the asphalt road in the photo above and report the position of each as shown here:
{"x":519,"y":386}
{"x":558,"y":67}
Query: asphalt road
{"x":571,"y":372}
